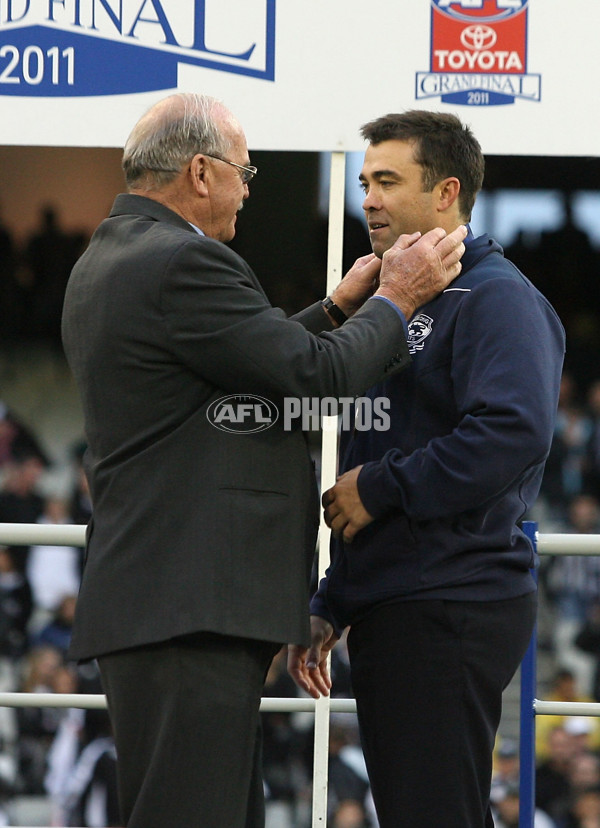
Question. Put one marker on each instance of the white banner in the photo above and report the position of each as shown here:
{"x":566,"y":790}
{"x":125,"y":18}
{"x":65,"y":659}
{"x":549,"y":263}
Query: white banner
{"x":304,"y":74}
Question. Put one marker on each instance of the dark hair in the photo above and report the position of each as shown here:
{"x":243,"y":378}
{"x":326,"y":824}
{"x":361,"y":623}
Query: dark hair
{"x":444,"y":147}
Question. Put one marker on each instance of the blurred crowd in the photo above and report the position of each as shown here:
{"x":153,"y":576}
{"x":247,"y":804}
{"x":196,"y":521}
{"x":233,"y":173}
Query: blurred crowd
{"x":567,"y":748}
{"x":33,"y":277}
{"x":64,"y":754}
{"x":567,"y":775}
{"x":569,"y":503}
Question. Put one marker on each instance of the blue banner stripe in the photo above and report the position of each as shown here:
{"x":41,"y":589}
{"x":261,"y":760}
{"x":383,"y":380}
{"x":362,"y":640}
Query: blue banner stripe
{"x":37,"y":61}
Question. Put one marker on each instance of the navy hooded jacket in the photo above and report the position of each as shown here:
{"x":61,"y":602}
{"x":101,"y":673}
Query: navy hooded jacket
{"x":471,"y":423}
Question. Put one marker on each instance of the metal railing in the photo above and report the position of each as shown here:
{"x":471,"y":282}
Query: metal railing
{"x":547,"y":544}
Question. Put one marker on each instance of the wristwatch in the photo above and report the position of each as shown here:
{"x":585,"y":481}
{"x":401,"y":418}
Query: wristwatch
{"x":332,"y":309}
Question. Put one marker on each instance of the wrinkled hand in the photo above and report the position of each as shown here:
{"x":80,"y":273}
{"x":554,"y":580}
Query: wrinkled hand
{"x":308,"y":667}
{"x":358,"y":284}
{"x":415,"y":272}
{"x":344,"y":512}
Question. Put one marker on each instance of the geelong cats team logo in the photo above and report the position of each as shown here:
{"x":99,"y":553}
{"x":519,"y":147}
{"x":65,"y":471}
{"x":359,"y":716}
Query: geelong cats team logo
{"x":419,"y":329}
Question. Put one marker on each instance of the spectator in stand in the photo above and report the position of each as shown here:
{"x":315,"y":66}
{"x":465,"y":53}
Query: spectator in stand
{"x":15,"y":610}
{"x":588,"y":640}
{"x":506,"y":765}
{"x":506,"y":809}
{"x":348,"y":780}
{"x":76,"y":730}
{"x":43,"y":672}
{"x":565,"y":469}
{"x":52,"y":571}
{"x":49,"y":256}
{"x":566,"y":477}
{"x":60,"y":762}
{"x":11,"y":292}
{"x":582,"y":730}
{"x":552,"y":784}
{"x":350,"y":814}
{"x":16,"y":439}
{"x":584,"y":772}
{"x":283,"y":745}
{"x":81,"y":780}
{"x":20,"y":498}
{"x":584,"y":811}
{"x":573,"y":587}
{"x":91,"y":794}
{"x":15,"y":607}
{"x":57,"y":632}
{"x":592,"y":471}
{"x":564,"y":689}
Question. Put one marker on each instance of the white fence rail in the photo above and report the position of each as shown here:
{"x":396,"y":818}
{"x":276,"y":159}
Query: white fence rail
{"x":69,"y":535}
{"x":15,"y":534}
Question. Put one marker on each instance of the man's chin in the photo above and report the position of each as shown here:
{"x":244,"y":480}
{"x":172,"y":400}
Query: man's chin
{"x":231,"y":231}
{"x":379,"y":248}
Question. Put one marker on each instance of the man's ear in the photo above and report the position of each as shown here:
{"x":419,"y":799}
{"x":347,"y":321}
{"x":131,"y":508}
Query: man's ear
{"x":199,"y":172}
{"x":448,"y":191}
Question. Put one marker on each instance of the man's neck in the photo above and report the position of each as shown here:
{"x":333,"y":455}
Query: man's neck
{"x":170,"y":199}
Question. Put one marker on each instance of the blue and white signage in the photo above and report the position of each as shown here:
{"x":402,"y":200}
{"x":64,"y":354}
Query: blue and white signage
{"x":304,"y":74}
{"x":64,"y":48}
{"x":479,"y":54}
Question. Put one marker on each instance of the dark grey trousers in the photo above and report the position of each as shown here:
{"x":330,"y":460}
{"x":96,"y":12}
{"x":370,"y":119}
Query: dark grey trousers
{"x":185,"y":717}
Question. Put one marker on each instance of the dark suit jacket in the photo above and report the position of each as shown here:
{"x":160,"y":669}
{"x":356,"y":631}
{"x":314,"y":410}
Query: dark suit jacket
{"x":194,"y":528}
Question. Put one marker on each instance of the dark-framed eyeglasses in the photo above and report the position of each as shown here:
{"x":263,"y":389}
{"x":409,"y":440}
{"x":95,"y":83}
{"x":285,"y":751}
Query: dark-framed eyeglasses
{"x":246,"y":173}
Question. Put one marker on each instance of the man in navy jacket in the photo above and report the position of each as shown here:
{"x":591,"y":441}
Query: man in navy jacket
{"x":429,"y":567}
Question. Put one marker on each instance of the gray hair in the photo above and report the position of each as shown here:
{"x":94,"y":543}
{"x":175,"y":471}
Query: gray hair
{"x":169,"y":135}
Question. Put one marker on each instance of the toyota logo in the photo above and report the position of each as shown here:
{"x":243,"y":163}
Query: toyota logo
{"x":478,"y":37}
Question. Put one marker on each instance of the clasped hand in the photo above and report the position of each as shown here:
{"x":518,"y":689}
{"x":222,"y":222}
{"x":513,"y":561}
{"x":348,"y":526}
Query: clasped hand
{"x":308,"y":667}
{"x":345,"y":515}
{"x":344,"y":511}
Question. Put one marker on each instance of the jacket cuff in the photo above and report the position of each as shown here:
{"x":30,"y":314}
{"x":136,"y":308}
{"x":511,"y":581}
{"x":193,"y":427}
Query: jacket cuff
{"x":319,"y":607}
{"x":374,"y":489}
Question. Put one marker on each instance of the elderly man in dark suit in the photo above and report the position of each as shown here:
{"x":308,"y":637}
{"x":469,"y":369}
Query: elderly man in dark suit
{"x":201,"y":540}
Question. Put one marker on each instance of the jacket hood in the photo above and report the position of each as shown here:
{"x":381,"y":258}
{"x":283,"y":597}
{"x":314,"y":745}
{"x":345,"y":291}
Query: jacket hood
{"x":477,"y":249}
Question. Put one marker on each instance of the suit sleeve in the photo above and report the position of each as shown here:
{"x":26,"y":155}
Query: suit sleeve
{"x":223,"y":328}
{"x":314,"y":319}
